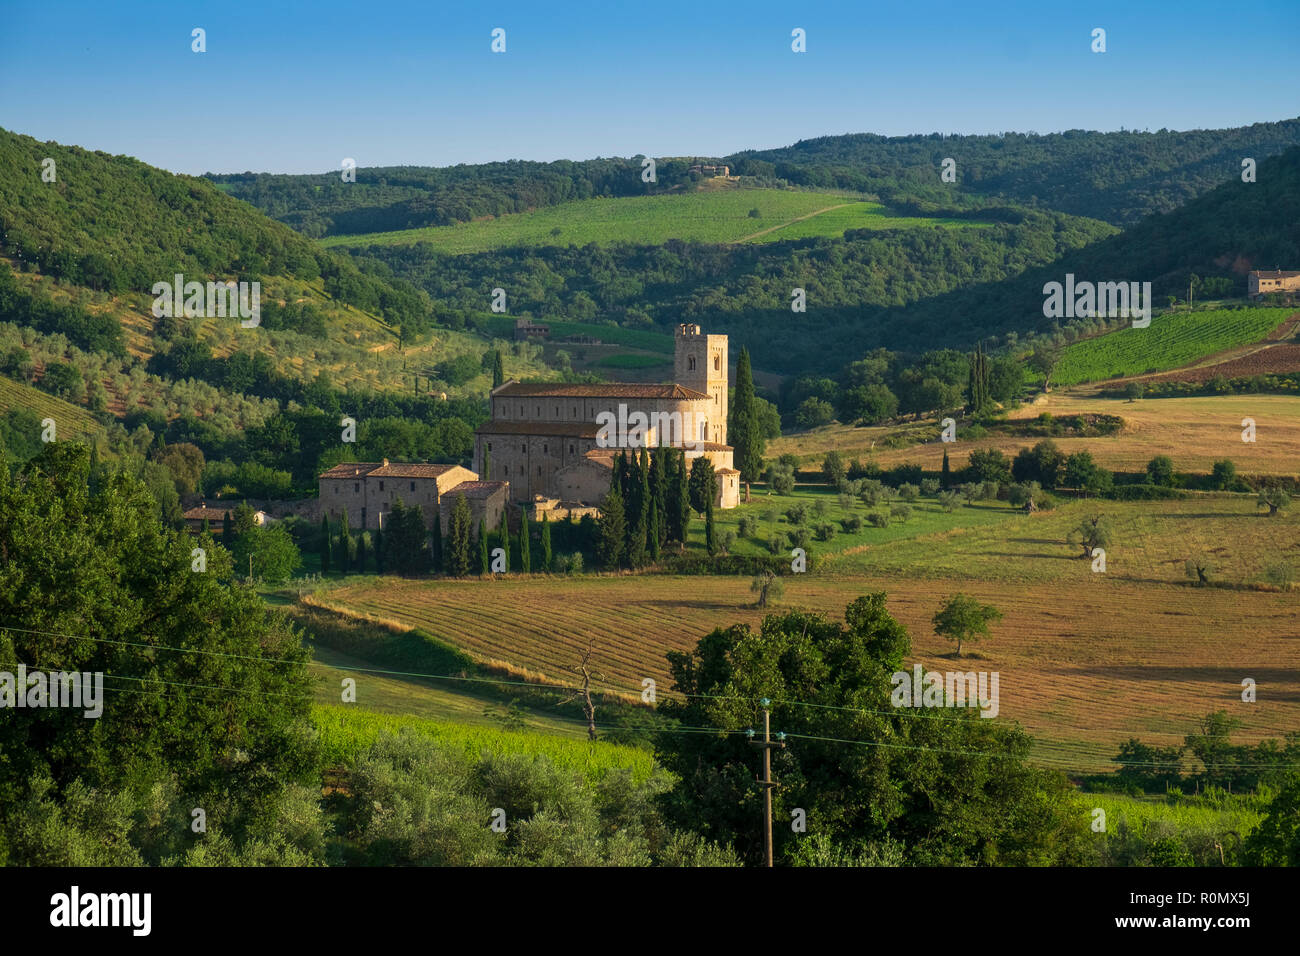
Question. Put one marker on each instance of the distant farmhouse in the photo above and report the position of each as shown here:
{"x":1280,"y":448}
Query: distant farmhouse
{"x":526,"y":329}
{"x":214,"y":516}
{"x":368,"y":491}
{"x":711,"y":170}
{"x":1263,"y":283}
{"x":545,"y":440}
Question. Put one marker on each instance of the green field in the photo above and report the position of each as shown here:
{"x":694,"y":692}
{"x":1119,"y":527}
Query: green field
{"x":718,"y":216}
{"x":1171,"y":341}
{"x":346,"y":731}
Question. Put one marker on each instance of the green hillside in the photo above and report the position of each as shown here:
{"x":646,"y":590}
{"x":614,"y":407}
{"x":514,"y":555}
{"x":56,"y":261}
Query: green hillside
{"x":114,"y":224}
{"x":720,"y":216}
{"x":1119,"y":177}
{"x":1173,"y":339}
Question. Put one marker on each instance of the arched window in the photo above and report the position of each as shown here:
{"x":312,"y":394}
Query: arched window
{"x":690,"y":363}
{"x":717,"y":363}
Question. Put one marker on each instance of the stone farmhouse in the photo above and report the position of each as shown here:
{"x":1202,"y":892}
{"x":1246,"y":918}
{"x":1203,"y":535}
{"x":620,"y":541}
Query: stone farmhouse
{"x":368,"y":491}
{"x":215,"y":516}
{"x":558,"y":441}
{"x":1260,"y":283}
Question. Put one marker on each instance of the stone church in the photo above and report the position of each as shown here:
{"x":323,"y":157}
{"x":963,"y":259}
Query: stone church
{"x":555,"y":443}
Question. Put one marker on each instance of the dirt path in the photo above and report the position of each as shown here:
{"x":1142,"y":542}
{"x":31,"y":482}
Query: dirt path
{"x":764,"y":232}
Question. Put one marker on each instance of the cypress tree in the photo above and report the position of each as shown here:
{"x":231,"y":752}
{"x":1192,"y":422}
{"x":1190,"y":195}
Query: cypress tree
{"x":945,"y":476}
{"x":361,"y":553}
{"x":503,"y":535}
{"x":683,"y":499}
{"x":326,"y":544}
{"x":498,"y":369}
{"x":652,"y":540}
{"x":379,"y":550}
{"x":485,"y":563}
{"x":659,"y":494}
{"x":744,"y":432}
{"x":487,"y":464}
{"x":710,"y":533}
{"x":525,"y":546}
{"x":978,"y":385}
{"x":435,"y":543}
{"x":546,"y":543}
{"x":345,"y":543}
{"x":610,"y":540}
{"x":227,"y":530}
{"x":456,"y":549}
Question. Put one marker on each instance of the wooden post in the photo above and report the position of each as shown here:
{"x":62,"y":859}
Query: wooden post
{"x":767,"y":745}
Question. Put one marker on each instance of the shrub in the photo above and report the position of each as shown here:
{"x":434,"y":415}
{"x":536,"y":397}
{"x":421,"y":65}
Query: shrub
{"x":797,"y":514}
{"x":901,"y":512}
{"x":1160,"y":471}
{"x":929,"y":487}
{"x":851,"y":525}
{"x":824,"y":532}
{"x":1282,"y":575}
{"x":878,"y":519}
{"x":908,"y":492}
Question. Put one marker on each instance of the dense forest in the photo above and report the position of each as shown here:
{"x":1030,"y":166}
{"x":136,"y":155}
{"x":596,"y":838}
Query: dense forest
{"x":745,"y":290}
{"x":1120,"y":177}
{"x":406,"y":197}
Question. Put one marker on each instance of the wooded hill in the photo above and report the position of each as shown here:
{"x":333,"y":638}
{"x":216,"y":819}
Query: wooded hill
{"x":1119,"y":177}
{"x":115,"y":224}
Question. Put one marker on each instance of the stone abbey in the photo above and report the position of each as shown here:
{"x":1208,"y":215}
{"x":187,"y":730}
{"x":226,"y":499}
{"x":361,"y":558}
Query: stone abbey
{"x":553,"y":442}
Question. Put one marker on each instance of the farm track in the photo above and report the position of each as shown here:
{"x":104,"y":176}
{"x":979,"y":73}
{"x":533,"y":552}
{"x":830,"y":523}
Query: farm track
{"x":770,"y":229}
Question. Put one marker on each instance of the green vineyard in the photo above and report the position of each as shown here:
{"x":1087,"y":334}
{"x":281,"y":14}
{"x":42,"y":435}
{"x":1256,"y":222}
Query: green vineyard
{"x":1171,"y":341}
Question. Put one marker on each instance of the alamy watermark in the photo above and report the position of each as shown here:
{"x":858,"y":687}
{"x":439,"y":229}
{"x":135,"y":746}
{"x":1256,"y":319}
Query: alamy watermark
{"x":208,"y":300}
{"x":648,"y":429}
{"x":953,"y":689}
{"x":61,"y":689}
{"x":1086,"y":300}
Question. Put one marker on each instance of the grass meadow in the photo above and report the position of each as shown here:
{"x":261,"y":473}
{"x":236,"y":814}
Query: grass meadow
{"x":716,"y":216}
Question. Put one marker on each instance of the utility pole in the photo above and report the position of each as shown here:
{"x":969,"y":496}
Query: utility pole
{"x":767,"y":745}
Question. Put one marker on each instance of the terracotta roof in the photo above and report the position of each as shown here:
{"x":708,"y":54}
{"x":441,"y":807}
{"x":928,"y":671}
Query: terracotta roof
{"x":199,"y":512}
{"x":1275,"y":274}
{"x":599,"y":390}
{"x":727,"y":471}
{"x":559,"y":429}
{"x":412,"y":470}
{"x":385,"y":469}
{"x":477,"y":489}
{"x":706,"y":446}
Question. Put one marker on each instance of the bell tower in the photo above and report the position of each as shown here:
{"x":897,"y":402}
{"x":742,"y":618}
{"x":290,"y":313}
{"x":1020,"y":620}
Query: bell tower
{"x":700,"y":363}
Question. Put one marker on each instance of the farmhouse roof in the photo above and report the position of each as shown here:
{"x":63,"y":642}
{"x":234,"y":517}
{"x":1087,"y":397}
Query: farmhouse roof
{"x":199,"y":512}
{"x":1275,"y":274}
{"x":598,"y":390}
{"x":478,"y":489}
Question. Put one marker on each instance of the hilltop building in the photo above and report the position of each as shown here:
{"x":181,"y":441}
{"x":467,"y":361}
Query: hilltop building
{"x":1261,"y":283}
{"x":555,"y":439}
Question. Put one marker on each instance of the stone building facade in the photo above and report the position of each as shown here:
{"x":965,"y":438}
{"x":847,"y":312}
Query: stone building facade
{"x":1262,"y":283}
{"x":368,"y":490}
{"x":558,"y":440}
{"x":486,"y":499}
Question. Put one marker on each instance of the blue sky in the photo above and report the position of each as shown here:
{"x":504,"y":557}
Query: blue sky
{"x":295,"y":87}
